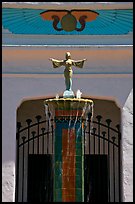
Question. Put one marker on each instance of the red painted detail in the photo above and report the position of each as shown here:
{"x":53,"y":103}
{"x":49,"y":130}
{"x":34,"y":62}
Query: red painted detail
{"x":68,"y":165}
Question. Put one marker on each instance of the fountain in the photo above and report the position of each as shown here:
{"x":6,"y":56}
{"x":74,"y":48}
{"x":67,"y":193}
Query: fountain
{"x":69,"y":113}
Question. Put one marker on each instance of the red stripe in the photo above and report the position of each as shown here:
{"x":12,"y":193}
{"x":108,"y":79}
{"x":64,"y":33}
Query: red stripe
{"x":68,"y":112}
{"x":68,"y":165}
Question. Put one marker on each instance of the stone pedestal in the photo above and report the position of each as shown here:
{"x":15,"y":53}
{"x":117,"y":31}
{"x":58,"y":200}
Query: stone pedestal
{"x":69,"y":147}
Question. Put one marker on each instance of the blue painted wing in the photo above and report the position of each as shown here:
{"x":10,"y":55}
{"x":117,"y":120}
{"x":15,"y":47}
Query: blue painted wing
{"x":112,"y":22}
{"x":29,"y":21}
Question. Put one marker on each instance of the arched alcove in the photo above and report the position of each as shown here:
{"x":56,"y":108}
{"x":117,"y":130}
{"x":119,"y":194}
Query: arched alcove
{"x":102,"y":160}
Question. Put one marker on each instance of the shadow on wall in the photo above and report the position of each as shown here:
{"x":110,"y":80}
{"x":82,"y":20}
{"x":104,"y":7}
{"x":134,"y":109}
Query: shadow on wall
{"x":107,"y":108}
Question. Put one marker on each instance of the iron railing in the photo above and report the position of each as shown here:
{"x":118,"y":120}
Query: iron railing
{"x":38,"y":138}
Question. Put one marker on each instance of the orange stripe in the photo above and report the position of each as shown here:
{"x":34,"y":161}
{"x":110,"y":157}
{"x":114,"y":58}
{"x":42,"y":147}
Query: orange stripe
{"x":68,"y":165}
{"x":68,"y":113}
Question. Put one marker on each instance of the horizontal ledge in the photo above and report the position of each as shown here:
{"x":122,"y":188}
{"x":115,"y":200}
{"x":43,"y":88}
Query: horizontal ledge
{"x":69,"y":5}
{"x":20,"y":39}
{"x":71,"y":46}
{"x":6,"y":33}
{"x":118,"y":72}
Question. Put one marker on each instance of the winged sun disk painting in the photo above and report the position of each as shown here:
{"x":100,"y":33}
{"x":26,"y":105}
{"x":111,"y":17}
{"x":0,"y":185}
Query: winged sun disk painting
{"x":68,"y":19}
{"x":64,"y":22}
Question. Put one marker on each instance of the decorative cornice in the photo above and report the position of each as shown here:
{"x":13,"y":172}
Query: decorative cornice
{"x":62,"y":40}
{"x":73,"y":46}
{"x":69,"y":5}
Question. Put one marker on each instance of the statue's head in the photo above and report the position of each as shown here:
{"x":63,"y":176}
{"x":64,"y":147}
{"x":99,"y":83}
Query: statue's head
{"x":68,"y":55}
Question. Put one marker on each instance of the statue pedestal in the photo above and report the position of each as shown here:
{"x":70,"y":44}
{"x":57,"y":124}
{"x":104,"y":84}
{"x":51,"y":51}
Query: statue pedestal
{"x":69,"y":147}
{"x":68,"y":94}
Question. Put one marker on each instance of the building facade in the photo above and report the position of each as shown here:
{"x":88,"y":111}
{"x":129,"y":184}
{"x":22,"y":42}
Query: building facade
{"x":28,"y":77}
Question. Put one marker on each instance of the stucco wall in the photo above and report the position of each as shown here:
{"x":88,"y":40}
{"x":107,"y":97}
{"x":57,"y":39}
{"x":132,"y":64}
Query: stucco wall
{"x":16,"y":89}
{"x":127,"y":146}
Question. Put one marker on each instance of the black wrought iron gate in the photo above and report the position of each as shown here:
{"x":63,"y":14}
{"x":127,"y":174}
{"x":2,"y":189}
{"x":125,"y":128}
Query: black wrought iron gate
{"x":34,"y":161}
{"x":102,"y":161}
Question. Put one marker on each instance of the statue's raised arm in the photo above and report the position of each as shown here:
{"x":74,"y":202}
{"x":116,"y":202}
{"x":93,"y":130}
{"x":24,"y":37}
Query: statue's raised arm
{"x":57,"y":63}
{"x":78,"y":63}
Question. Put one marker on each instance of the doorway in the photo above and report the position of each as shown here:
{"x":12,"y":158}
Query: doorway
{"x":96,"y":178}
{"x":40,"y":182}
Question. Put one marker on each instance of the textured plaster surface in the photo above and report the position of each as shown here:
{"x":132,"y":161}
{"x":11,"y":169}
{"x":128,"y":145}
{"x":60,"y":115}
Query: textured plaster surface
{"x":8,"y":185}
{"x":127,"y":143}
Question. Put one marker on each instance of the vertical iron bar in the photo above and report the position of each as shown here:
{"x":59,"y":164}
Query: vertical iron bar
{"x":84,"y":127}
{"x":84,"y":166}
{"x":28,"y":123}
{"x":47,"y":153}
{"x":108,"y":121}
{"x":52,"y":176}
{"x":38,"y":117}
{"x":89,"y":126}
{"x":23,"y":138}
{"x":38,"y":139}
{"x":17,"y":161}
{"x":43,"y":132}
{"x":52,"y":139}
{"x":33,"y":135}
{"x":48,"y":131}
{"x":119,"y":160}
{"x":47,"y":136}
{"x":99,"y":120}
{"x":94,"y":131}
{"x":113,"y":138}
{"x":98,"y":138}
{"x":103,"y":141}
{"x":89,"y":135}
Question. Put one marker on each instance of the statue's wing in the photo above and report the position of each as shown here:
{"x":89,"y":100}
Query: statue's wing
{"x":78,"y":63}
{"x":57,"y":63}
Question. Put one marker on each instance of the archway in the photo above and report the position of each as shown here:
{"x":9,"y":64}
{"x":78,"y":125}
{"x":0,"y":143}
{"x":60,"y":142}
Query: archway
{"x":102,"y":161}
